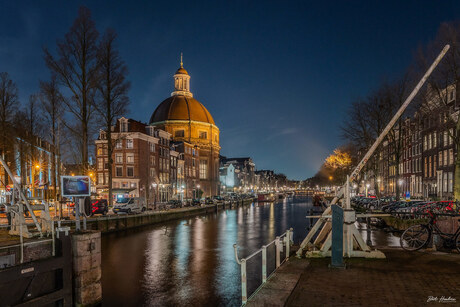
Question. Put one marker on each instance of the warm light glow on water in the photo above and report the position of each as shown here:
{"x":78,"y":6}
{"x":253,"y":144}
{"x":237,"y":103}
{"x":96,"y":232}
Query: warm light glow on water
{"x":190,"y":262}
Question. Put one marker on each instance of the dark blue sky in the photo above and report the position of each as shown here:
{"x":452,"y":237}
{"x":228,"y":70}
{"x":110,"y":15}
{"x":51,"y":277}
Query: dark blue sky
{"x":277,"y":76}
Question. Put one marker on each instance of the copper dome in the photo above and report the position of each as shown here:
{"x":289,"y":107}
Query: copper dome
{"x":179,"y":107}
{"x":181,"y":71}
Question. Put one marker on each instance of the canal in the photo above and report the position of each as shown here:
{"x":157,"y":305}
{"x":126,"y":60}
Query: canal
{"x":191,"y":262}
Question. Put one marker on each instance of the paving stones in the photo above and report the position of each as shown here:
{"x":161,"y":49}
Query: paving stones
{"x":403,"y":279}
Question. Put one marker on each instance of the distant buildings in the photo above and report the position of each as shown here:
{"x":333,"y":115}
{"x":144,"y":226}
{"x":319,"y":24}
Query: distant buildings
{"x":424,"y":164}
{"x":240,"y":175}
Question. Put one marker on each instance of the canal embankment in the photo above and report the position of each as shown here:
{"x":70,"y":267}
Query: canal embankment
{"x":402,"y":279}
{"x":120,"y":222}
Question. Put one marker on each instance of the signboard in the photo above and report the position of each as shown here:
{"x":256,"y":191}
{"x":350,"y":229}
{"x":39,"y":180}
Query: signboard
{"x":408,"y":195}
{"x":75,"y":186}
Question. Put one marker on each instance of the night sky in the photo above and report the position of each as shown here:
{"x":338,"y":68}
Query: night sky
{"x":277,"y":76}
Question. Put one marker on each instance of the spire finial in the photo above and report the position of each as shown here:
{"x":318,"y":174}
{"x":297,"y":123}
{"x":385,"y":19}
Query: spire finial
{"x":181,"y":63}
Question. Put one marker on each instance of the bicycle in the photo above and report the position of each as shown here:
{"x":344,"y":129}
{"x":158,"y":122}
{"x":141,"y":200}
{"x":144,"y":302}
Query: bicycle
{"x":419,"y":236}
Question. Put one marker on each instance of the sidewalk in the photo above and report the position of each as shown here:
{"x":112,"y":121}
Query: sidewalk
{"x":403,"y":279}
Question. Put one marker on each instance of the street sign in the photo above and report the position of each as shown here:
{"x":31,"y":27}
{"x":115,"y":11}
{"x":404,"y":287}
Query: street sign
{"x":75,"y":186}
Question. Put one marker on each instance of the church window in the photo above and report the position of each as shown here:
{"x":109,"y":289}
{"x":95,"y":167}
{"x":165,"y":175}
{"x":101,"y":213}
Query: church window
{"x":203,"y":135}
{"x":179,"y":133}
{"x":203,"y":169}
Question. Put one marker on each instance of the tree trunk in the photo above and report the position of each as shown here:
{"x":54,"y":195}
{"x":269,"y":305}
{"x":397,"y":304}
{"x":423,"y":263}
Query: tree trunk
{"x":109,"y":155}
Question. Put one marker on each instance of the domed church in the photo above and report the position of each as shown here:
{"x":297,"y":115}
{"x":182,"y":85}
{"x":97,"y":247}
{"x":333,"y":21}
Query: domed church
{"x":188,"y":121}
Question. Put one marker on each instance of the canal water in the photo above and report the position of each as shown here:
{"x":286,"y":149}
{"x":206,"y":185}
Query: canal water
{"x":191,"y":262}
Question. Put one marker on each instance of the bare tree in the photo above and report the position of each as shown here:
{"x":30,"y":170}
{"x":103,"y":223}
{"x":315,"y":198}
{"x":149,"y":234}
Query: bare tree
{"x":113,"y":88}
{"x":51,"y":103}
{"x":366,"y":120}
{"x":75,"y":68}
{"x":33,"y":119}
{"x":8,"y":106}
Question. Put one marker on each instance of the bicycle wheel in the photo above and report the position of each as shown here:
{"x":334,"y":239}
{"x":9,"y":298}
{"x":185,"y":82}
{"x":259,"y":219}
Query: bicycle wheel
{"x":415,"y":237}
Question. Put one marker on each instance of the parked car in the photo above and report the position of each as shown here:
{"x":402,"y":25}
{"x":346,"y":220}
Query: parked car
{"x":129,"y":205}
{"x":99,"y":206}
{"x":209,"y":201}
{"x":218,"y":198}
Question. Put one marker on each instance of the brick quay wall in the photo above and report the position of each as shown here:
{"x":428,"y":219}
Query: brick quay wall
{"x":113,"y":223}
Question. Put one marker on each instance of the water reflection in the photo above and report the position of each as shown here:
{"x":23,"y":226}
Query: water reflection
{"x":191,"y":262}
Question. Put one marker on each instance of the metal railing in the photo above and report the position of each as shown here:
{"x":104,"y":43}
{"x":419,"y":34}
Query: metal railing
{"x":285,"y":239}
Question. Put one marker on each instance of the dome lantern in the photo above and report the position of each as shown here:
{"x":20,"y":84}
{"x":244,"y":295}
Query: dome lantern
{"x":182,"y":81}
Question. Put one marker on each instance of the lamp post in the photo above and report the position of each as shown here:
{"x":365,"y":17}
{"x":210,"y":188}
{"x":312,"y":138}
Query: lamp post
{"x":37,"y":173}
{"x":400,"y":182}
{"x":196,"y":191}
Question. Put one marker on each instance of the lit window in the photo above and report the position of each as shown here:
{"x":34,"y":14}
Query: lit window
{"x":129,"y":158}
{"x":118,"y":158}
{"x":203,"y":169}
{"x":100,"y":164}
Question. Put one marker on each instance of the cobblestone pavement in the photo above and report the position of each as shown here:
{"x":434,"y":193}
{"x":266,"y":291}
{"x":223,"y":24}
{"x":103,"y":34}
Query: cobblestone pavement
{"x":403,"y":279}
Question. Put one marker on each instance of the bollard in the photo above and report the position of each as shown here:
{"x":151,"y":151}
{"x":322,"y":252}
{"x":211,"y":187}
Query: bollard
{"x":244,"y":296}
{"x":368,"y":232}
{"x":84,"y":222}
{"x":277,"y":251}
{"x":264,"y":264}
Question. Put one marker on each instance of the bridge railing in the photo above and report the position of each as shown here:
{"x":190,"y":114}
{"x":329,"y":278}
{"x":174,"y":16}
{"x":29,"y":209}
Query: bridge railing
{"x":284,"y":240}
